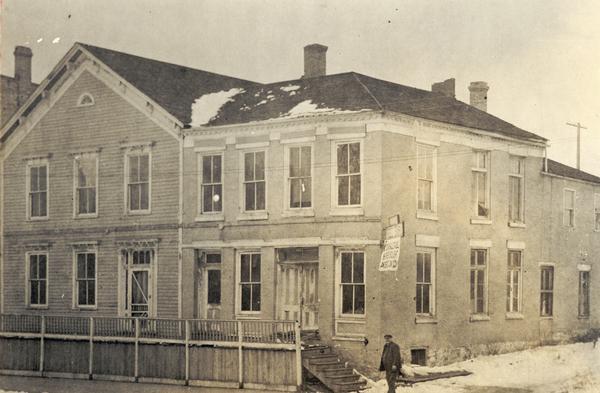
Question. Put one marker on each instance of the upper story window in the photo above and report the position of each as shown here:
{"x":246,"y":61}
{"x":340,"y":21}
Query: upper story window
{"x":211,"y":187}
{"x":426,"y":178}
{"x":569,"y":208}
{"x":516,"y":179}
{"x":478,"y":280}
{"x":348,"y":174}
{"x":300,"y":177}
{"x":138,"y":181}
{"x":255,"y":183}
{"x":86,"y":184}
{"x":37,"y":189}
{"x":481,"y":184}
{"x":425,"y":296}
{"x":37,"y":279}
{"x":597,"y":212}
{"x":86,"y":99}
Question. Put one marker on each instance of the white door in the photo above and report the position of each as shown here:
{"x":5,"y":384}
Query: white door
{"x":208,"y":285}
{"x":297,"y":293}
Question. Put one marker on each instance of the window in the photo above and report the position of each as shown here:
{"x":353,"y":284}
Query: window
{"x":352,"y":282}
{"x":418,"y":356}
{"x":425,"y":289}
{"x":213,"y":285}
{"x":37,"y":174}
{"x":212,"y":184}
{"x":584,"y":294}
{"x":85,"y":282}
{"x":38,"y":279}
{"x":569,"y":208}
{"x":138,"y":182}
{"x":300,"y":176}
{"x":481,"y":184}
{"x":547,"y":291}
{"x":513,"y":281}
{"x":597,"y":212}
{"x":479,"y":281}
{"x":85,"y":99}
{"x":254,"y":181}
{"x":516,"y":189}
{"x":250,"y":282}
{"x":426,"y":178}
{"x":86,"y":182}
{"x":348,"y":176}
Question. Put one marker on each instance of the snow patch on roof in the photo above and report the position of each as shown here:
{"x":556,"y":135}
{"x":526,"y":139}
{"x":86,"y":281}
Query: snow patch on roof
{"x":289,"y":88}
{"x":307,"y":107}
{"x":207,"y":106}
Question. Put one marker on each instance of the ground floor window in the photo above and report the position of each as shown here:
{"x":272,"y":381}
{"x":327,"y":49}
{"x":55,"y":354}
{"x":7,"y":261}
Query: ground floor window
{"x":37,"y":278}
{"x":85,"y":278}
{"x":352,"y":282}
{"x":513,"y":281}
{"x":547,"y":291}
{"x":425,"y":283}
{"x":250,"y":282}
{"x":478,"y":281}
{"x":584,"y":294}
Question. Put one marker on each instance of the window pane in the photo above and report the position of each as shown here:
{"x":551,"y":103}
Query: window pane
{"x":217,"y":198}
{"x":246,"y":293}
{"x":472,"y":280}
{"x":42,"y":266}
{"x":80,"y":266}
{"x":343,"y":190}
{"x":216,"y":169}
{"x":419,"y":267}
{"x":260,"y":195}
{"x":134,"y":169}
{"x":425,"y":195}
{"x":354,"y":165}
{"x":34,"y":292}
{"x":144,"y":167}
{"x":306,"y":161}
{"x":213,"y":258}
{"x":355,"y":190}
{"x":42,"y":294}
{"x":259,"y":172}
{"x":33,"y":179}
{"x":255,"y":297}
{"x":342,"y":159}
{"x":306,"y":192}
{"x":91,"y":294}
{"x":91,"y":266}
{"x":245,"y":268}
{"x":346,"y":268}
{"x":426,"y":299}
{"x":42,"y":178}
{"x":134,"y":197}
{"x":248,"y":166}
{"x":207,"y":201}
{"x":427,"y":270}
{"x":347,"y":299}
{"x":250,"y":196}
{"x":43,"y":201}
{"x":359,"y":299}
{"x":255,"y":267}
{"x":295,"y":162}
{"x":33,"y":266}
{"x":144,"y":196}
{"x":295,"y":192}
{"x":206,"y":169}
{"x":214,"y":286}
{"x":358,"y":269}
{"x":81,"y":293}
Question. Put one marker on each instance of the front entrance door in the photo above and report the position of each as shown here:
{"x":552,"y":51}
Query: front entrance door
{"x":297,"y":283}
{"x":138,"y":282}
{"x":138,"y":298}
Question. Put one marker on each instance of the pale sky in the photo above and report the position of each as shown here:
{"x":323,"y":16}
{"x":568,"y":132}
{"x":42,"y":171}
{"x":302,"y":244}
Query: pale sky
{"x":540,"y":58}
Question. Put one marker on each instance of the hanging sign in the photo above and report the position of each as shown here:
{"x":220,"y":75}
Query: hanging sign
{"x":391,"y":249}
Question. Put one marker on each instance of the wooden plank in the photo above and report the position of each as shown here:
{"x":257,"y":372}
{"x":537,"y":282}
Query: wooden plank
{"x":19,"y":354}
{"x":66,"y":356}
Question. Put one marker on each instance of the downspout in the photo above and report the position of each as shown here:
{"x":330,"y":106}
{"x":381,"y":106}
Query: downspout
{"x":180,"y":230}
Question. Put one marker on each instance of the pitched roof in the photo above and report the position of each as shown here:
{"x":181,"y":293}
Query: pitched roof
{"x":556,"y":168}
{"x":173,"y":87}
{"x":351,"y":92}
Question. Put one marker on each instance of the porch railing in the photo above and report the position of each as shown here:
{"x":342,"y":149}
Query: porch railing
{"x":242,"y":335}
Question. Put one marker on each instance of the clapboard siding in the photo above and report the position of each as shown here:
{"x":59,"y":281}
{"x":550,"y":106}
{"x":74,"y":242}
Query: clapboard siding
{"x":108,"y":126}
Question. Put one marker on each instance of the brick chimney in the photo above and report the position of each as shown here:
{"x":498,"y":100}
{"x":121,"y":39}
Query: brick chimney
{"x":479,"y":95}
{"x":315,"y":60}
{"x":446,"y":87}
{"x":23,"y":56}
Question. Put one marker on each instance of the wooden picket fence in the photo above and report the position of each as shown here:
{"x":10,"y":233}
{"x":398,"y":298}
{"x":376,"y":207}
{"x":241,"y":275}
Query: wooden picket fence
{"x":255,"y":354}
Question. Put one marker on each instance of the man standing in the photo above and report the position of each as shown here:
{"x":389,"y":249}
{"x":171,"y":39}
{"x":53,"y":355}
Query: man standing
{"x":391,"y":362}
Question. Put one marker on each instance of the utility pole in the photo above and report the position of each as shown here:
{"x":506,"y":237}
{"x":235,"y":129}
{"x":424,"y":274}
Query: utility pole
{"x":579,"y":128}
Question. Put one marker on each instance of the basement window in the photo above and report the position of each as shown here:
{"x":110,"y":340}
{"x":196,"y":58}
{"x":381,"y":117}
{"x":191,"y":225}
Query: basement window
{"x":418,"y":356}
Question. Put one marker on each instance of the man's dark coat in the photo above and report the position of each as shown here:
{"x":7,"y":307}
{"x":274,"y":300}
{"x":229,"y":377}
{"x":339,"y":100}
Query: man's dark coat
{"x":390,"y":357}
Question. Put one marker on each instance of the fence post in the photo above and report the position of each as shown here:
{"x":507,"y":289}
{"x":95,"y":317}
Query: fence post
{"x":298,"y":342}
{"x":187,"y":352}
{"x":91,"y":354}
{"x":136,"y":349}
{"x":42,"y":332}
{"x":240,"y":329}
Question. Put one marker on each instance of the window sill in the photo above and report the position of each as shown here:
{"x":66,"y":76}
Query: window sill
{"x":250,"y":316}
{"x":138,"y":212}
{"x":547,"y":317}
{"x":209,"y":218}
{"x":359,"y":319}
{"x":481,"y":221}
{"x":84,"y":216}
{"x":34,"y":219}
{"x":426,"y":319}
{"x":305,"y":212}
{"x":479,"y":318}
{"x":36,"y":307}
{"x":517,"y":224}
{"x":349,"y":338}
{"x":86,"y":308}
{"x":583,"y":317}
{"x":347,"y":211}
{"x":514,"y":315}
{"x":249,"y":216}
{"x":427,"y":215}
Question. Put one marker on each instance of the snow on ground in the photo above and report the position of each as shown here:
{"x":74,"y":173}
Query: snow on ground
{"x":207,"y":106}
{"x":573,"y":368}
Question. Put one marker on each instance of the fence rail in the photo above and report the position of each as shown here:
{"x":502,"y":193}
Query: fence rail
{"x":192,"y":341}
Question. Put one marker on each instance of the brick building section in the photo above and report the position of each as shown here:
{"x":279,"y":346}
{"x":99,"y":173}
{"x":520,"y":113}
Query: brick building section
{"x":15,"y":90}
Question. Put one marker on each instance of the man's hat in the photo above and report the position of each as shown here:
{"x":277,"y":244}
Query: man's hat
{"x":387,"y":336}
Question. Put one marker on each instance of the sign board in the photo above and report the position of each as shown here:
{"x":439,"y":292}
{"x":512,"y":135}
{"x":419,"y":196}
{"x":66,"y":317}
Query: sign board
{"x":391,"y":249}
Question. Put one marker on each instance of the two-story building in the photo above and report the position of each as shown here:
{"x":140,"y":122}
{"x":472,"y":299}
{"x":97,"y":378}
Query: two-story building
{"x":355,"y":205}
